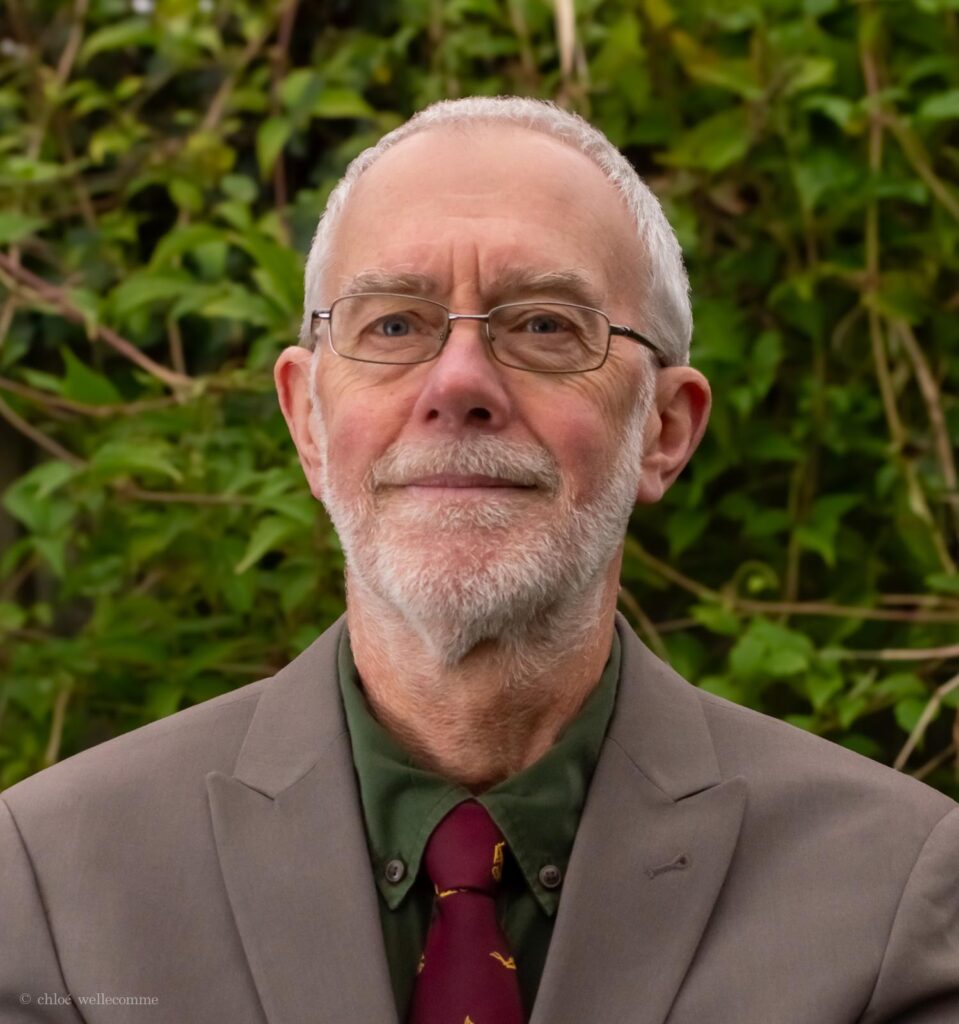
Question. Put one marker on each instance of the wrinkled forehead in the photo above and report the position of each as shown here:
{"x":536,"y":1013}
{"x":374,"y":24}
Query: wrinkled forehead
{"x":502,"y":196}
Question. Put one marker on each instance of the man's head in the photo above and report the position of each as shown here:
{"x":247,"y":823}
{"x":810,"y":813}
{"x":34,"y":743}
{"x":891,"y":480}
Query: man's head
{"x":478,"y":500}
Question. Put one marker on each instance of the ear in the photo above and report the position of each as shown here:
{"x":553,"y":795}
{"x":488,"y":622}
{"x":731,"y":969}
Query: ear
{"x":674,"y":429}
{"x":293,"y":386}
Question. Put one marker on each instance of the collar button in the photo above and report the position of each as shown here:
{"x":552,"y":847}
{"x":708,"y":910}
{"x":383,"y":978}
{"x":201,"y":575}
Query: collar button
{"x":395,"y":871}
{"x":550,"y":876}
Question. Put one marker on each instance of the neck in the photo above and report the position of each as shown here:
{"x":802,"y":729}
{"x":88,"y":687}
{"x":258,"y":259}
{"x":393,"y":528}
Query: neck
{"x":499,"y":708}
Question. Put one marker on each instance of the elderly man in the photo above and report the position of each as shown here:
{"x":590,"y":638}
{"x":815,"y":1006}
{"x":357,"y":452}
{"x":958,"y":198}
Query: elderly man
{"x":479,"y":798}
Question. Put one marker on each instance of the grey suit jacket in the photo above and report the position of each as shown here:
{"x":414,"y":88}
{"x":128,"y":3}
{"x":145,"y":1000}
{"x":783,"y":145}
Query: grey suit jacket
{"x":727,"y":868}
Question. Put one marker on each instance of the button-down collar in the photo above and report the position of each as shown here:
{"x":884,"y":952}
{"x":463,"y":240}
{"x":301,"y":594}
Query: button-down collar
{"x":537,"y":809}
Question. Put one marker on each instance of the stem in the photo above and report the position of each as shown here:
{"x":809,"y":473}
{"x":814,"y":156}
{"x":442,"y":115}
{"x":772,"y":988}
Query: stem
{"x":937,"y":420}
{"x":902,"y":654}
{"x":38,"y":437}
{"x":929,"y":712}
{"x":59,"y":298}
{"x":56,"y":728}
{"x":645,"y":623}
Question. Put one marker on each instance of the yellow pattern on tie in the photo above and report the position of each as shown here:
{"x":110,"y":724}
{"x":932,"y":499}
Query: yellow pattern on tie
{"x":446,"y":892}
{"x":498,"y":861}
{"x":508,"y":964}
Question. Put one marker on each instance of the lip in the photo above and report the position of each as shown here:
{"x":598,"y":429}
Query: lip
{"x":456,"y":481}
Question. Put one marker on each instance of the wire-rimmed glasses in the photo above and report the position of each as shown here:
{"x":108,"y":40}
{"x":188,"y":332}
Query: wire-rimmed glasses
{"x":540,"y":337}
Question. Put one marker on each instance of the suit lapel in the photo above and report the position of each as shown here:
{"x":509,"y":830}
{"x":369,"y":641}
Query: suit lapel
{"x":289,"y":833}
{"x":654,"y":844}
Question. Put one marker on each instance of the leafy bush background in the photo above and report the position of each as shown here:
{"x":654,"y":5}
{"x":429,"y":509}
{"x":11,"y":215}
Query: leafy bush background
{"x":161,"y":170}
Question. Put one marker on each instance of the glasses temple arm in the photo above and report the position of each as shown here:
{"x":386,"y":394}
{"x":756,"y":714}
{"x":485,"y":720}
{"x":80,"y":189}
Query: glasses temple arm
{"x":628,"y":332}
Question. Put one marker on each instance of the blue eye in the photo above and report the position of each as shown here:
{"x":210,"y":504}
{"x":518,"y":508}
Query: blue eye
{"x":395,"y":326}
{"x":544,"y":325}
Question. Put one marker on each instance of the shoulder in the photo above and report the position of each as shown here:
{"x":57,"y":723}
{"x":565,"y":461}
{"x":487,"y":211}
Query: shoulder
{"x":686,"y":740}
{"x":777,"y":757}
{"x":152,"y":763}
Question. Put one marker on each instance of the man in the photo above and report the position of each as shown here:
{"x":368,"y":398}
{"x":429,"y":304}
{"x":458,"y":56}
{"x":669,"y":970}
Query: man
{"x":480,"y":798}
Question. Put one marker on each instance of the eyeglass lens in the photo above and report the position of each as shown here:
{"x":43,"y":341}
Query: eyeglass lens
{"x":544,"y":336}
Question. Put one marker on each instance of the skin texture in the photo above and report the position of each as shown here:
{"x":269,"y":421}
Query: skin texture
{"x":476,"y":211}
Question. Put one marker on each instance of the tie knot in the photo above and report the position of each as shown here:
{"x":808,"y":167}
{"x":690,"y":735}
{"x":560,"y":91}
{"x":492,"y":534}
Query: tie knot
{"x":466,"y":851}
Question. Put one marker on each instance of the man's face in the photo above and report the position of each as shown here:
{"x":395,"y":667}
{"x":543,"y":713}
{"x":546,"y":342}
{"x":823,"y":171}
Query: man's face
{"x":466,"y":492}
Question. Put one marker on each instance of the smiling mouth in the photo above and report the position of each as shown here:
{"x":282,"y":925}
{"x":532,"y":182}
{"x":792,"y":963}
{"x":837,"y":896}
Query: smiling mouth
{"x":444,"y":481}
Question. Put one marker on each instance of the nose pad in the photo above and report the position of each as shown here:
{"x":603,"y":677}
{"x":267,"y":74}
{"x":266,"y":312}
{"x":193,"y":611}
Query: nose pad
{"x":464,"y":389}
{"x":482,"y":324}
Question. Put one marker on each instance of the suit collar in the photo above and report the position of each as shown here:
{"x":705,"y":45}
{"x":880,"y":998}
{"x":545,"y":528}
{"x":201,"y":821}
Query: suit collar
{"x":655,"y":842}
{"x":659,"y":723}
{"x":292,"y":849}
{"x":297,"y":719}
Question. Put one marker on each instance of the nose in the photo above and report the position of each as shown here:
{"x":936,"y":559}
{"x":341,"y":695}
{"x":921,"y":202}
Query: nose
{"x":463,"y":387}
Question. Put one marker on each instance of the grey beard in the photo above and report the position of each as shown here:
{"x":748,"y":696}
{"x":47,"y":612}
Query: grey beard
{"x":531,"y":587}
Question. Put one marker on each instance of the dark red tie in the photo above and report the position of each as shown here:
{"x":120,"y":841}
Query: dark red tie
{"x":467,"y":974}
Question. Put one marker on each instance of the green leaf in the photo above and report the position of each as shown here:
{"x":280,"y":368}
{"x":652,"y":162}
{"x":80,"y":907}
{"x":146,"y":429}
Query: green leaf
{"x":120,"y":36}
{"x":717,"y":618}
{"x":943,"y":583}
{"x":183,"y":240}
{"x":272,"y":135}
{"x":14,"y":226}
{"x":133,"y":458}
{"x":708,"y":66}
{"x":278,"y":269}
{"x":684,"y":527}
{"x":268,"y":534}
{"x":147,"y":288}
{"x":85,"y":385}
{"x":338,"y":102}
{"x":942,"y":107}
{"x":908,"y":712}
{"x":713,"y":144}
{"x":785,"y":663}
{"x":12,"y":616}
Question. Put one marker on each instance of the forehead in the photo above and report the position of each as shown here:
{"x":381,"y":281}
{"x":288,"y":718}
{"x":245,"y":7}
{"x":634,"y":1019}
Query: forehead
{"x":472,"y":206}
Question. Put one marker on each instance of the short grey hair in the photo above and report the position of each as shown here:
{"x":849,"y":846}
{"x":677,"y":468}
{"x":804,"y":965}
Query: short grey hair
{"x":665,"y":286}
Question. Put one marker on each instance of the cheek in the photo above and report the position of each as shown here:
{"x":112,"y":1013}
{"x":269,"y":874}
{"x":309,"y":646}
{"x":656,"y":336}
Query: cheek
{"x":583,"y":427}
{"x":361,"y":422}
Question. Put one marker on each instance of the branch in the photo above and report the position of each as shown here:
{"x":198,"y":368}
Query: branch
{"x":937,"y":420}
{"x":918,"y":158}
{"x":818,"y":608}
{"x":60,"y":300}
{"x":183,"y":497}
{"x":933,"y":763}
{"x":902,"y":654}
{"x":55,"y":403}
{"x":645,"y":623}
{"x":218,"y":104}
{"x":38,"y":437}
{"x":60,"y":703}
{"x":929,"y":712}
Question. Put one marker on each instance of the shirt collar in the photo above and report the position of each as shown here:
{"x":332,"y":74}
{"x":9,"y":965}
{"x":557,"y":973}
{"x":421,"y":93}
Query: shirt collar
{"x":537,"y":810}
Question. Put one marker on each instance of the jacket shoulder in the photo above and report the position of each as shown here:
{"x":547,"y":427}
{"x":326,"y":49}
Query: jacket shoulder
{"x":776,"y":756}
{"x":197,"y":740}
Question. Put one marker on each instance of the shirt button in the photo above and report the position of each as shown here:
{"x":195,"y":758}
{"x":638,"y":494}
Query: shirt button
{"x":550,"y":876}
{"x":395,"y":870}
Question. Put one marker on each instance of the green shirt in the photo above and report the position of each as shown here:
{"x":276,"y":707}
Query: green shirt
{"x":537,"y":810}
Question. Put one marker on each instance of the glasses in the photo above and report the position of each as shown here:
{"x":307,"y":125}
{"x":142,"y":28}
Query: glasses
{"x":541,"y":337}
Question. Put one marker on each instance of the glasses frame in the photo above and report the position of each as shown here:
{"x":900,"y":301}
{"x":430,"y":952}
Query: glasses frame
{"x":620,"y":330}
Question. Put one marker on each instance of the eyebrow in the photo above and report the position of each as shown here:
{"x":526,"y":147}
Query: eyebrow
{"x":571,"y":285}
{"x":403,"y":281}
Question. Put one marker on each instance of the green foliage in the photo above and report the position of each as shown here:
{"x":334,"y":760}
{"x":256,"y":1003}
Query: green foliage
{"x":162,"y":167}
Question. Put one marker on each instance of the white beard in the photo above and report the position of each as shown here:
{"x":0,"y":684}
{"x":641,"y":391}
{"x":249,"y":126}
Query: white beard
{"x":526,"y":572}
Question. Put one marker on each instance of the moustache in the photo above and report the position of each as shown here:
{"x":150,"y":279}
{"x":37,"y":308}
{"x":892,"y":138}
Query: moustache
{"x":525,"y":465}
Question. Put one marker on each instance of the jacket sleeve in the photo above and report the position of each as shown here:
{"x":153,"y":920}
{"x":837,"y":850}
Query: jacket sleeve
{"x":32,"y":989}
{"x":918,"y":981}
